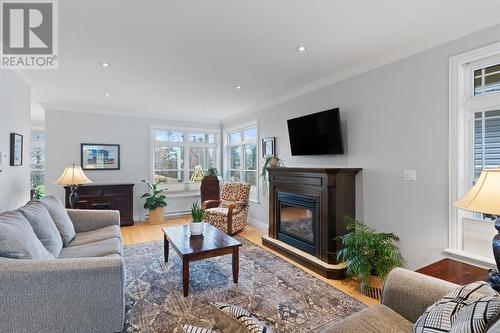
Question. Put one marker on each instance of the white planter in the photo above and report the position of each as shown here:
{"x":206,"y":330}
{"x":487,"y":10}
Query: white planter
{"x":196,"y":228}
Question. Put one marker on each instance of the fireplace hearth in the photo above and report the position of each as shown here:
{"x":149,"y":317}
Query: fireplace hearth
{"x":307,"y":207}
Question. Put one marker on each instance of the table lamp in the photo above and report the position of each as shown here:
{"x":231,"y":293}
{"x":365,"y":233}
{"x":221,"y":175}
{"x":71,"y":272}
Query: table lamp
{"x":484,"y":197}
{"x":73,"y":176}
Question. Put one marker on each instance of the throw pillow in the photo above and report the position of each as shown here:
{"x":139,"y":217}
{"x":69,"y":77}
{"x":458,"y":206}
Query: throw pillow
{"x":238,"y":205}
{"x":194,"y":329}
{"x":43,"y":226}
{"x":234,"y":319}
{"x":18,"y":240}
{"x":60,"y":217}
{"x":466,"y":309}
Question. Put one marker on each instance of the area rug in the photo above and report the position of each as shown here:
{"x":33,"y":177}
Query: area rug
{"x":276,"y":292}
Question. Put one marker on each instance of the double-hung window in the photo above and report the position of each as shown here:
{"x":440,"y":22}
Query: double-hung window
{"x":474,"y":145}
{"x":179,"y":154}
{"x":242,"y":156}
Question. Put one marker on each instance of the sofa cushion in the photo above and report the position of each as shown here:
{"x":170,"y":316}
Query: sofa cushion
{"x":88,"y":237}
{"x":235,"y":319}
{"x":468,"y":308}
{"x":18,"y":240}
{"x":97,"y":249}
{"x":375,"y":318}
{"x":60,"y":217}
{"x":43,"y":226}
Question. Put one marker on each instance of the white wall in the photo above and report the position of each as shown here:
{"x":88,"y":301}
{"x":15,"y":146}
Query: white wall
{"x":65,"y":131}
{"x":395,"y":118}
{"x":15,"y":103}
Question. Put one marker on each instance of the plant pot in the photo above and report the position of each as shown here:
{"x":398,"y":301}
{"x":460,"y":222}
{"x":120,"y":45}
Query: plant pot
{"x":156,"y":216}
{"x":273,"y":163}
{"x":196,"y":228}
{"x":375,"y":290}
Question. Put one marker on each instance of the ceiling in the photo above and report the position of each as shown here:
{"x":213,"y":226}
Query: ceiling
{"x":182,"y":59}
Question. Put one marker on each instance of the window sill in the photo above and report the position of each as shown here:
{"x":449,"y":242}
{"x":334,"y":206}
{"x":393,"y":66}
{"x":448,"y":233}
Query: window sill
{"x":471,"y":258}
{"x":180,"y":194}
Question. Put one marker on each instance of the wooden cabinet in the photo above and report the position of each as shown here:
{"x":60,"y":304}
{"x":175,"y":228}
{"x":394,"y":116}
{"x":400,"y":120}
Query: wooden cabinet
{"x":107,"y":196}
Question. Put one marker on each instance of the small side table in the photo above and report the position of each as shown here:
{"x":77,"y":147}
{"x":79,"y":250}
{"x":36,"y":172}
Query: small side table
{"x":455,"y":271}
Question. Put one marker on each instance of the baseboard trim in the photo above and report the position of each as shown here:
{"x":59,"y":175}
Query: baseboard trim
{"x":257,"y":223}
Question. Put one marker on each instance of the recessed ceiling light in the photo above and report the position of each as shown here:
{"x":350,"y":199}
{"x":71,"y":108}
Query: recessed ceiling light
{"x":206,"y":106}
{"x":239,"y":87}
{"x":107,"y":94}
{"x":105,"y":64}
{"x":301,"y":48}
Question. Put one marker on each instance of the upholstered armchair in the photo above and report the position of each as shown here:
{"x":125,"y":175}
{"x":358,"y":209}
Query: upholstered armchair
{"x":230,"y":213}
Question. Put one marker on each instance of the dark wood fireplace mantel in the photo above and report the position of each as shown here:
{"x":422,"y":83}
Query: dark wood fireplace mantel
{"x":320,"y":198}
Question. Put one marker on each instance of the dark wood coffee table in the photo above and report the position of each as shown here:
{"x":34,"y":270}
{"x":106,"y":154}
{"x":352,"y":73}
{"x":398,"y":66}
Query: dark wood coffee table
{"x":213,"y":243}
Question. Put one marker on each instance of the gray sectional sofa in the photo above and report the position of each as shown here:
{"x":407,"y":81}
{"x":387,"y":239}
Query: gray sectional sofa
{"x":61,"y":270}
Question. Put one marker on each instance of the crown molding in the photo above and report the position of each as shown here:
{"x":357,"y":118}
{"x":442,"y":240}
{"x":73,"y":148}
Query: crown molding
{"x":463,"y":30}
{"x":111,"y":112}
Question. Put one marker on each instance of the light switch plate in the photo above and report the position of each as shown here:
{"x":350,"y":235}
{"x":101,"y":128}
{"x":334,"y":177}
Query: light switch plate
{"x":409,"y":174}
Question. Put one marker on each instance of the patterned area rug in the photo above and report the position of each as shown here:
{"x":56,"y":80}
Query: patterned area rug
{"x":276,"y":292}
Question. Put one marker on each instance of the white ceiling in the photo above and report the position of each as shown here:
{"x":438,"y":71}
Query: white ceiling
{"x":171,"y":58}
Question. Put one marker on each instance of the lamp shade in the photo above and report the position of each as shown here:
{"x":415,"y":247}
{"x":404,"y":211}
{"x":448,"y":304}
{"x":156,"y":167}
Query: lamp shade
{"x":484,"y":196}
{"x":73,"y":175}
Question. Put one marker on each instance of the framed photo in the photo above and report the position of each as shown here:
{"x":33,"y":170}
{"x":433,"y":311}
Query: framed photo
{"x":96,"y":156}
{"x":269,"y":146}
{"x":16,"y":149}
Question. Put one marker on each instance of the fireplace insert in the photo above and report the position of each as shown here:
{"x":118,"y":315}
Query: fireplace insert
{"x":297,"y":219}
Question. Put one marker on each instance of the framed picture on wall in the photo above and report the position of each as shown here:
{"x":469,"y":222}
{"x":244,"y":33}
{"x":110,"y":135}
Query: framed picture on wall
{"x":96,"y":156}
{"x":269,"y":146}
{"x":16,"y":149}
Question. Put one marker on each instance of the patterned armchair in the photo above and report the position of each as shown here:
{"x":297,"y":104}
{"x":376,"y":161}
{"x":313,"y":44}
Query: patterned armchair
{"x":230,"y":213}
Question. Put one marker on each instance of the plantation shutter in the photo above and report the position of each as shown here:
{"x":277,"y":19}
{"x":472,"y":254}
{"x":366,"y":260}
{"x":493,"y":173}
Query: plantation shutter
{"x":486,"y":141}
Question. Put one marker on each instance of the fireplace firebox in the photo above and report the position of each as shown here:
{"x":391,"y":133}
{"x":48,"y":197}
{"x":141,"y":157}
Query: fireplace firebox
{"x":307,"y":210}
{"x":297,"y":220}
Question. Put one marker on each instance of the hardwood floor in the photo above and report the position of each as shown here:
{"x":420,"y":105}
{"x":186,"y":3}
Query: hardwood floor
{"x":143,"y":232}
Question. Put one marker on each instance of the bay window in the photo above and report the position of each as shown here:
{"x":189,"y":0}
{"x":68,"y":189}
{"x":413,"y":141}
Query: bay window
{"x":242,"y":156}
{"x":171,"y":147}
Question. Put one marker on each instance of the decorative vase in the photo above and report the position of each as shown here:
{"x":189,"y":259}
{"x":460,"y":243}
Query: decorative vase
{"x":375,"y":291}
{"x":274,"y":162}
{"x":196,"y":228}
{"x":156,"y":216}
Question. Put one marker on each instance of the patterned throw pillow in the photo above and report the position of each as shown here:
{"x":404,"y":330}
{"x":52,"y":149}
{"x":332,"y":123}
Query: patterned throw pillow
{"x":238,"y":320}
{"x":466,"y":309}
{"x":194,"y":329}
{"x":237,"y":204}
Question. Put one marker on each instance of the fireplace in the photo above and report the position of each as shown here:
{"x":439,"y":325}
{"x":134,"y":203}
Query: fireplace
{"x":297,"y":220}
{"x":307,"y":208}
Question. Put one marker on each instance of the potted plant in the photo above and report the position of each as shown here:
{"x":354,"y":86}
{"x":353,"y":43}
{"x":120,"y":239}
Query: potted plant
{"x":212,"y":172}
{"x":197,"y":223}
{"x":369,"y":255}
{"x":272,"y":162}
{"x":155,"y":201}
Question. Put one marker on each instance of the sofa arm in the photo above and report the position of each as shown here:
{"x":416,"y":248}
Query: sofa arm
{"x":91,"y":219}
{"x":62,"y":295}
{"x":410,"y":293}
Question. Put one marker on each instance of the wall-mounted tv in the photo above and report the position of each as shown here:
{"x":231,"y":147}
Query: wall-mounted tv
{"x":316,"y":134}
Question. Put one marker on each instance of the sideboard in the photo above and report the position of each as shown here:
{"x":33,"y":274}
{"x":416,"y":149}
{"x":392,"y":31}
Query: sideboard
{"x":107,"y":196}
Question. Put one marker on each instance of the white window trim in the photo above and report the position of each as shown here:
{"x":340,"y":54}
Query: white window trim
{"x":241,"y":126}
{"x":186,"y":145}
{"x":460,"y":141}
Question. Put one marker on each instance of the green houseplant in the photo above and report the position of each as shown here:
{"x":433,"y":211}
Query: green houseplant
{"x":369,"y":255}
{"x":155,"y":201}
{"x":197,"y":216}
{"x":269,"y":161}
{"x":212,"y":172}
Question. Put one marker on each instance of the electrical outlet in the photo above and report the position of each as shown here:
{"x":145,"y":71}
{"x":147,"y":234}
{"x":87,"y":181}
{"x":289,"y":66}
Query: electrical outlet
{"x":409,"y":174}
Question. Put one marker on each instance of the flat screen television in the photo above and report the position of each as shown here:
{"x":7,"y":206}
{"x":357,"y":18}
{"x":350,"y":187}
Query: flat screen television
{"x":316,"y":134}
